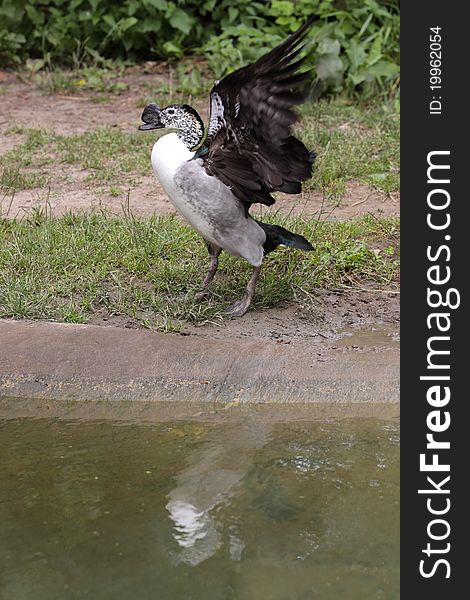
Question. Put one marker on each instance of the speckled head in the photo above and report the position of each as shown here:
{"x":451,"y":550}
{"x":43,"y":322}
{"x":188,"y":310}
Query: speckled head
{"x":182,"y":117}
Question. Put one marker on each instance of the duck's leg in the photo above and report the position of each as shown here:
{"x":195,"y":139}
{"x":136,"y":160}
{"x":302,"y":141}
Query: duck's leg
{"x":239,"y":308}
{"x":214,"y":252}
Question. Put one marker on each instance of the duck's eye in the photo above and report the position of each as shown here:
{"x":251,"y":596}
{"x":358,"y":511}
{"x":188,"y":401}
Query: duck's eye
{"x":171,"y":111}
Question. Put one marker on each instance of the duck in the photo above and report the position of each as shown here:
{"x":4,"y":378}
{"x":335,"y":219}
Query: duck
{"x":213,"y":176}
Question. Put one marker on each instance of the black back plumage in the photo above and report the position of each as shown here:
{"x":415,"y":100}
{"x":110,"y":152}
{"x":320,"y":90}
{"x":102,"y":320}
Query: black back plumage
{"x":249,"y":145}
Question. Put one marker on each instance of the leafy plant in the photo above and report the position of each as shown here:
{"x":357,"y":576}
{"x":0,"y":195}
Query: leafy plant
{"x":354,"y":43}
{"x":10,"y":43}
{"x":354,"y":48}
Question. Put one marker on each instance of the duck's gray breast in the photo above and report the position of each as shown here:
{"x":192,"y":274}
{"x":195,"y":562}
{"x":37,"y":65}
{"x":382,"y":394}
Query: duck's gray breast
{"x":212,"y":209}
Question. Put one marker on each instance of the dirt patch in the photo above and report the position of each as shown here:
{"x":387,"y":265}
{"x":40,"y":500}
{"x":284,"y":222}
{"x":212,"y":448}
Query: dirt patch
{"x":24,"y":105}
{"x":358,"y":200}
{"x":147,"y":198}
{"x":334,"y":315}
{"x":76,"y":195}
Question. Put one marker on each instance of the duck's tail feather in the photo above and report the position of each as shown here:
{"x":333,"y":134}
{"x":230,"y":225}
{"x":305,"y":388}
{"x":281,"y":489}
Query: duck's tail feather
{"x":278,"y":236}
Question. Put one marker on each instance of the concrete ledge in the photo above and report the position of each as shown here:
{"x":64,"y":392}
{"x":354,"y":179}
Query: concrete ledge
{"x":85,"y":362}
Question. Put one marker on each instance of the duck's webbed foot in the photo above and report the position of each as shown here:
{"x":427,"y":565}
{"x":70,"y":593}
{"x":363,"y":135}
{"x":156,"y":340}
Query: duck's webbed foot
{"x":214,"y":252}
{"x":239,"y":308}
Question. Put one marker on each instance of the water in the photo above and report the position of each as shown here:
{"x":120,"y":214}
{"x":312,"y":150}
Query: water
{"x":241,"y":509}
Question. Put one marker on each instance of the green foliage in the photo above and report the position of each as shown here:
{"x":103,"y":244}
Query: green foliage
{"x":354,"y":42}
{"x":354,"y":48}
{"x":70,"y":268}
{"x":72,"y":31}
{"x":10,"y":44}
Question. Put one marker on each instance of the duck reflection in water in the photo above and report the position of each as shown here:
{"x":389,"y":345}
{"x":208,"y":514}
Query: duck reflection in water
{"x":203,"y":486}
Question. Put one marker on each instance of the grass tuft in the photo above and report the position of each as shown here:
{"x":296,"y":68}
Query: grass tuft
{"x":359,"y":142}
{"x":72,"y":268}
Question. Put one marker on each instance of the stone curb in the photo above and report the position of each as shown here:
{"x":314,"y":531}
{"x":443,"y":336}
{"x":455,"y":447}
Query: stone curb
{"x":86,"y":362}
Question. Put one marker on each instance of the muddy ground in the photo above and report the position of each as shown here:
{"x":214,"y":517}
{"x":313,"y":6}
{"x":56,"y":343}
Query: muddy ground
{"x":335,"y":316}
{"x":23,"y":104}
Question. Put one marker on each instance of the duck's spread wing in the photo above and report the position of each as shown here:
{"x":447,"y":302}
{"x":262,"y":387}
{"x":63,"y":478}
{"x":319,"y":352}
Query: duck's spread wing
{"x":250,"y":144}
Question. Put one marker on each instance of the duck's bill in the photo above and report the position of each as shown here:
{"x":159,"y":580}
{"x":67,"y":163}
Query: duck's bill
{"x":151,"y":117}
{"x":146,"y":126}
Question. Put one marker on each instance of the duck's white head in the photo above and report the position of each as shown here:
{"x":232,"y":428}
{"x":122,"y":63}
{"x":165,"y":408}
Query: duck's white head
{"x":182,"y":117}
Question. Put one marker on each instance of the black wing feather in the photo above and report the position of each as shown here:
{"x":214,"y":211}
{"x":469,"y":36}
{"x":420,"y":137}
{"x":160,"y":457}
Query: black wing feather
{"x":250,"y":144}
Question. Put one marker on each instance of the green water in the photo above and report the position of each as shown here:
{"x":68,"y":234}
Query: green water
{"x":240,"y":510}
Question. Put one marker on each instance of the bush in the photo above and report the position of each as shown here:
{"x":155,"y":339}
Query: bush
{"x":67,"y":31}
{"x":355,"y":42}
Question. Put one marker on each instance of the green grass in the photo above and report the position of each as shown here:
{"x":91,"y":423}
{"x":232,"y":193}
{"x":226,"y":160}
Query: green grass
{"x":96,"y":80}
{"x":353,"y":142}
{"x":69,"y":268}
{"x":360,"y":142}
{"x":27,"y":165}
{"x":111,"y":156}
